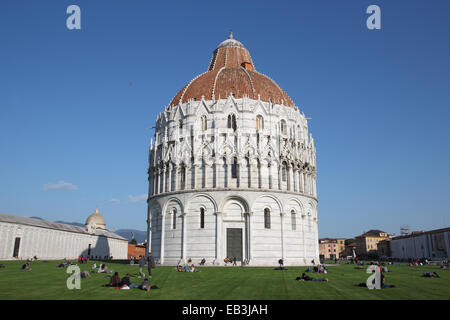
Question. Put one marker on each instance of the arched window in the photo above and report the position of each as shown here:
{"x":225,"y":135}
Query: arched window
{"x":283,"y":126}
{"x":293,"y":220}
{"x":174,"y":219}
{"x":234,"y":168}
{"x":267,"y":218}
{"x":232,"y":122}
{"x":180,"y":124}
{"x":202,"y":218}
{"x":284,"y":171}
{"x":204,"y":123}
{"x":259,"y":122}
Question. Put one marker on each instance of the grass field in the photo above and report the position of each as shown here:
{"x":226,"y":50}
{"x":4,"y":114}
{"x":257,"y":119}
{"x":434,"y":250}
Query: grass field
{"x":46,"y":281}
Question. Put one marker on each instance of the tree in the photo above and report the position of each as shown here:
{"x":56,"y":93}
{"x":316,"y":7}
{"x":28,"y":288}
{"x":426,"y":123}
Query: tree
{"x":133,"y":241}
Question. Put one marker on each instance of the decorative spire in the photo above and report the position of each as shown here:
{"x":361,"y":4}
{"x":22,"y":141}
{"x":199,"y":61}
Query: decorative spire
{"x":231,"y":35}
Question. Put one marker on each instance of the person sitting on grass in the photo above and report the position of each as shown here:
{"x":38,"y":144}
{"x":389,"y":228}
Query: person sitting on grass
{"x":384,"y":285}
{"x":126,"y":283}
{"x":26,"y":267}
{"x":145,"y":285}
{"x":114,"y":281}
{"x":179,"y":268}
{"x":202,"y":263}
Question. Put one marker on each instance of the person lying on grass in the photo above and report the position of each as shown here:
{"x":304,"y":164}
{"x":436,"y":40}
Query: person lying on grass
{"x":186,"y":268}
{"x":304,"y":277}
{"x":104,"y":269}
{"x":430,"y":275}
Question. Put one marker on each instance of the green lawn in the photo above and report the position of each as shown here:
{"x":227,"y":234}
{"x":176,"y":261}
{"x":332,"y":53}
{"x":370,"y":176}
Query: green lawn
{"x":46,"y":281}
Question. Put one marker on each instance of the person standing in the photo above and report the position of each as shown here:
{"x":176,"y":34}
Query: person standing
{"x":141,"y":266}
{"x":150,"y":264}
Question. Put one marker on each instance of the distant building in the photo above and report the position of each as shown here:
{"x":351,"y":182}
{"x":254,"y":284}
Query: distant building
{"x":24,"y":238}
{"x":350,"y":249}
{"x":330,"y":248}
{"x":433,"y":244}
{"x":367,"y":243}
{"x":136,"y":250}
{"x":384,"y":248}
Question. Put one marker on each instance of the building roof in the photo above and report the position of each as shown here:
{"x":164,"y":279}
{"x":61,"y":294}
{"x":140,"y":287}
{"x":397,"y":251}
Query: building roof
{"x":231,"y":71}
{"x":421,"y":233}
{"x":54,"y":225}
{"x":372,"y":233}
{"x":325,"y":240}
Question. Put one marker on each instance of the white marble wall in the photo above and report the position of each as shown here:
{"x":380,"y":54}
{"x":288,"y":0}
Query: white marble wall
{"x":274,"y":170}
{"x":434,"y":246}
{"x":298,"y":244}
{"x":56,"y":244}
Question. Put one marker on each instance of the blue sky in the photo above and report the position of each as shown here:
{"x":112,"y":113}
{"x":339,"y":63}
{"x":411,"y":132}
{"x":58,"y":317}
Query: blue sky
{"x":76,"y":105}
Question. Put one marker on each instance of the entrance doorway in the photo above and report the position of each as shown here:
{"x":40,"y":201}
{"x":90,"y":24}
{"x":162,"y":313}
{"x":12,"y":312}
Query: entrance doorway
{"x":234,"y":243}
{"x":16,"y":248}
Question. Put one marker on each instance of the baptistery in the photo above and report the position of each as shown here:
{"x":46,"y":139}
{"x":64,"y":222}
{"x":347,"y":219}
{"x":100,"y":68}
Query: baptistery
{"x":232,"y":171}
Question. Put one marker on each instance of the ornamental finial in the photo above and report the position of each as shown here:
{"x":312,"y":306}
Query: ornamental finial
{"x":231,"y":35}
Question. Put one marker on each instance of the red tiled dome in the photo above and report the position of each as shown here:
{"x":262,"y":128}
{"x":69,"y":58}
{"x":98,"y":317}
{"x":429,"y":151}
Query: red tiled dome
{"x":232,"y":71}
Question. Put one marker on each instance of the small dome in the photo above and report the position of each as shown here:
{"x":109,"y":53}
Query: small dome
{"x":96,"y":219}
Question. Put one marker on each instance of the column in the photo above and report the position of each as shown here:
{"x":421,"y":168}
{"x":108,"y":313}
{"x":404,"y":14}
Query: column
{"x":219,"y":178}
{"x":219,"y":254}
{"x":163,"y":234}
{"x":149,"y":232}
{"x":228,"y":173}
{"x":169,"y":183}
{"x":250,"y":231}
{"x":184,"y":237}
{"x":294,"y":179}
{"x":177,"y":178}
{"x":282,"y":235}
{"x":303,"y":235}
{"x":188,"y":180}
{"x":163,"y":188}
{"x":280,"y":180}
{"x":253,"y":174}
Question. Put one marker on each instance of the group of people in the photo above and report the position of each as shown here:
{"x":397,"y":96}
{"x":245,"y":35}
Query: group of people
{"x":320,"y":268}
{"x":305,"y":277}
{"x":126,"y":284}
{"x":82,"y":259}
{"x":228,"y":260}
{"x":150,"y":261}
{"x":102,"y":268}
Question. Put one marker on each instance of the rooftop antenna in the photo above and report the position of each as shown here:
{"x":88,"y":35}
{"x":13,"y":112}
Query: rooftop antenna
{"x":404,"y":230}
